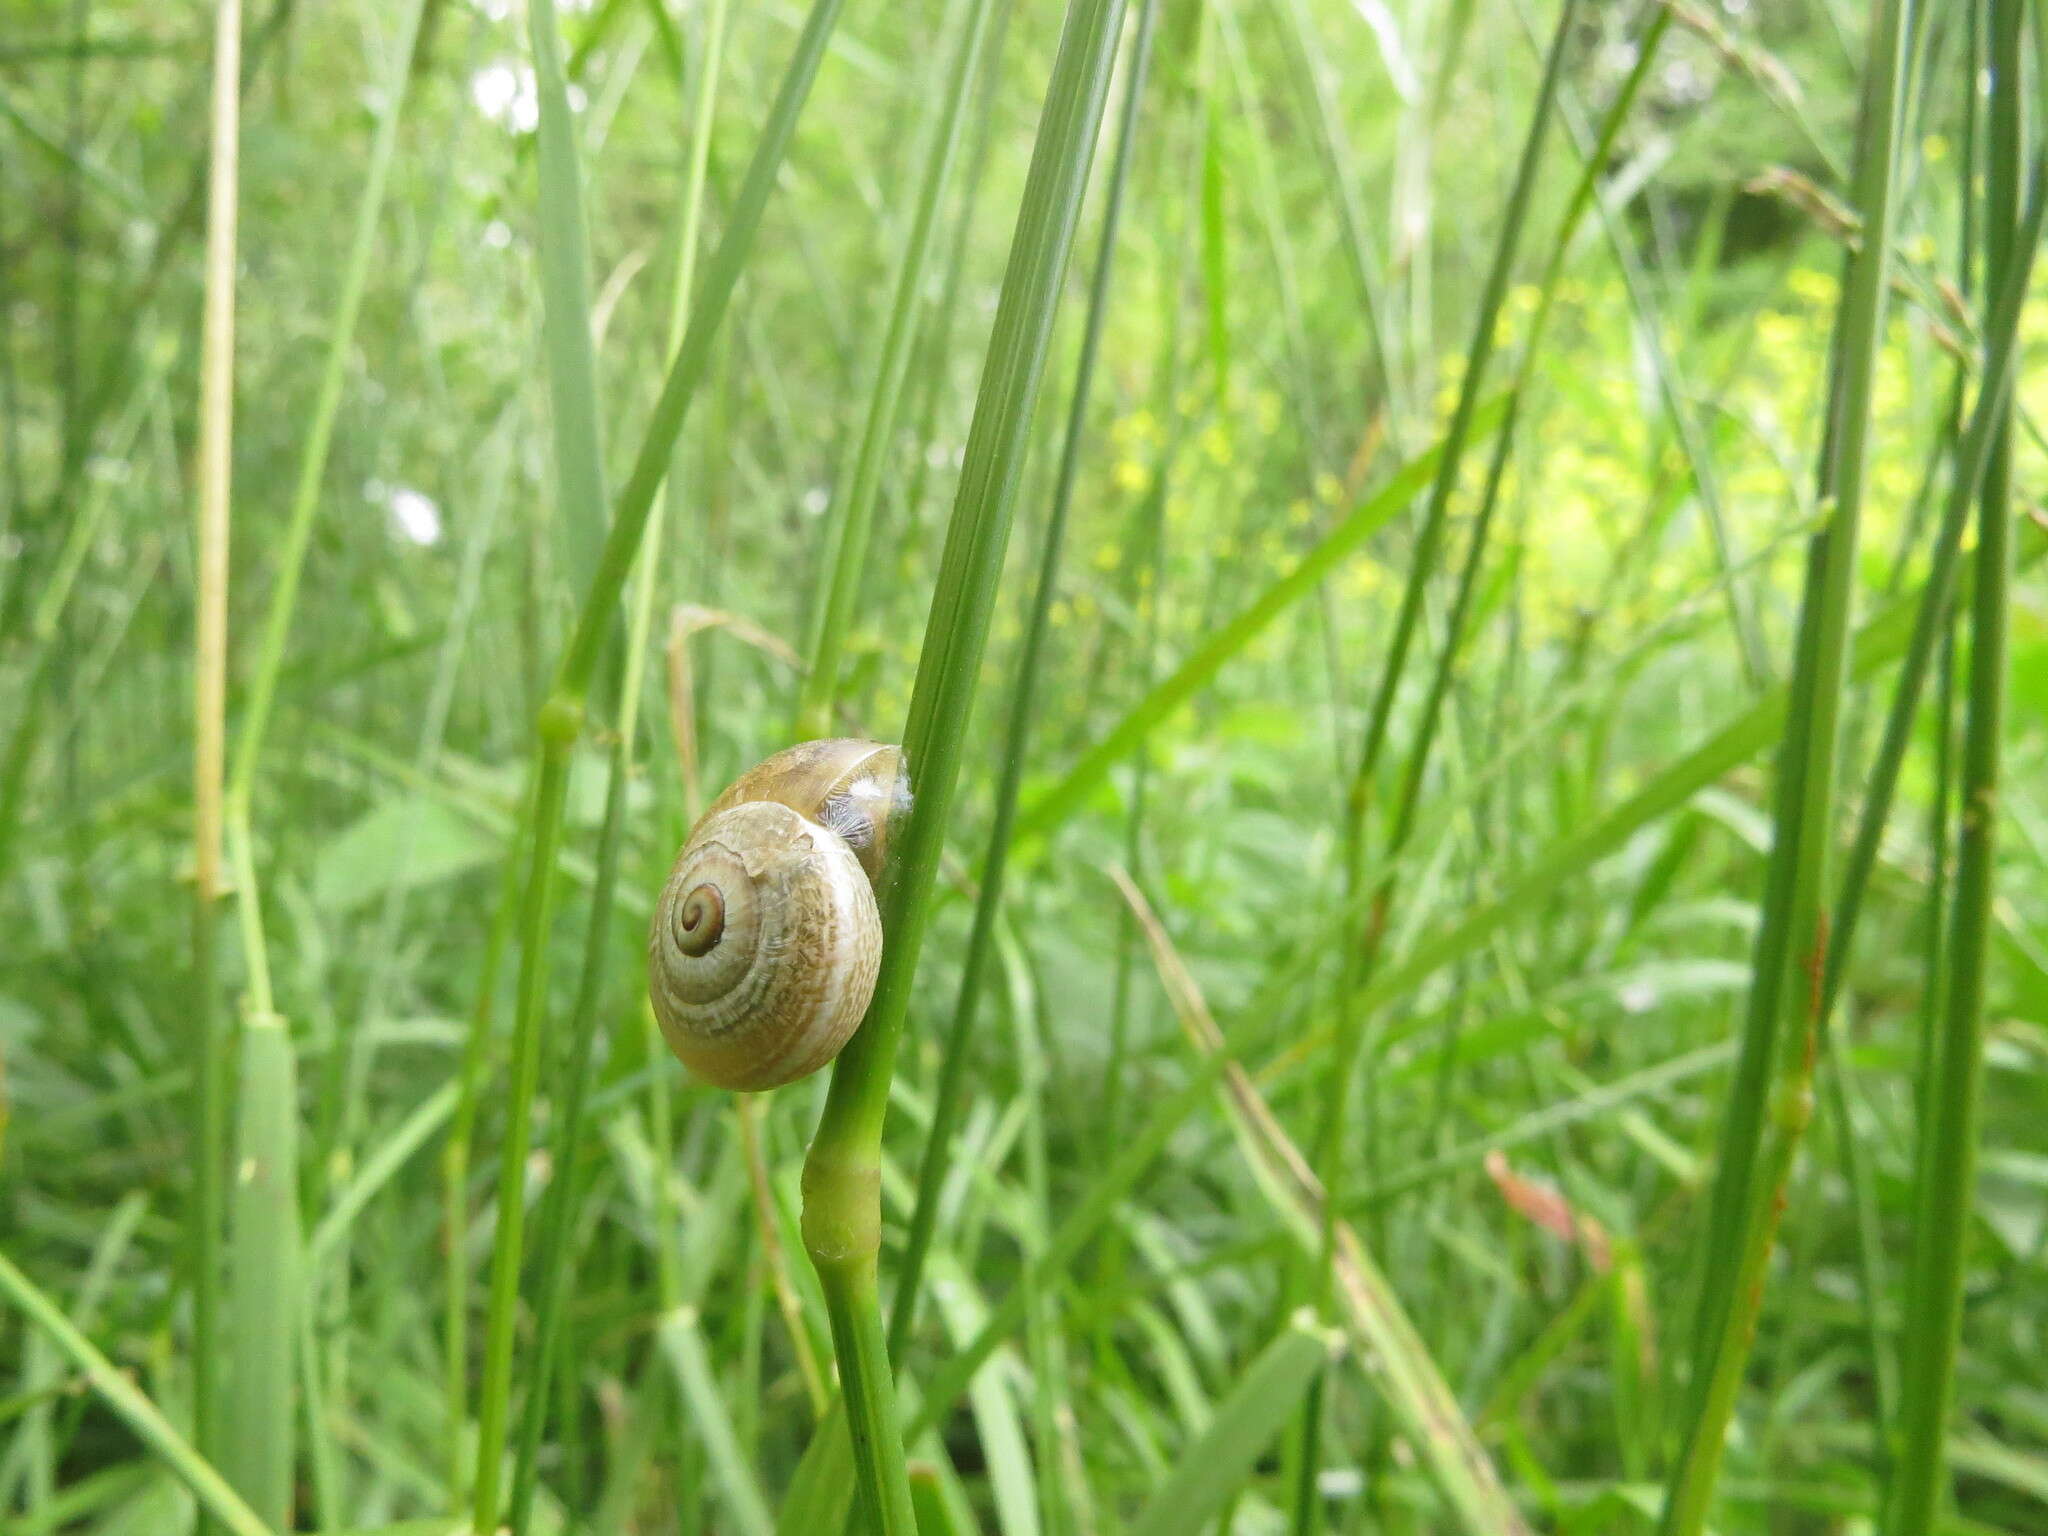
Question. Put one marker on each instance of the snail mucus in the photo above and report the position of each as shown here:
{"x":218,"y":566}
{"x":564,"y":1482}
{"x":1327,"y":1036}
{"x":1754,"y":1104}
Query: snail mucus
{"x":762,"y":953}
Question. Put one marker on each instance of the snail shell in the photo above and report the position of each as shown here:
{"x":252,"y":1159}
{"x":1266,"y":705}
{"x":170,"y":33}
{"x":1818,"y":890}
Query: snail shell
{"x":762,"y":954}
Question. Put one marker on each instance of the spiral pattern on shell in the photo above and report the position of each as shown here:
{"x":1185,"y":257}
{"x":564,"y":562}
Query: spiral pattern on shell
{"x":766,"y":939}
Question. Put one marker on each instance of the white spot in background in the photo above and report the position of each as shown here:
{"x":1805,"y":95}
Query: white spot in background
{"x":578,"y":98}
{"x":414,"y":517}
{"x":815,"y":501}
{"x":1387,"y":33}
{"x":496,"y":10}
{"x":505,"y":94}
{"x":1340,"y":1482}
{"x":1683,"y":82}
{"x":498,"y":235}
{"x":1637,"y":997}
{"x":1618,"y":57}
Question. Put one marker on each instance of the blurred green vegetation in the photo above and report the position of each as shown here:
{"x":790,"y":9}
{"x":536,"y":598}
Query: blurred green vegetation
{"x":1315,"y":195}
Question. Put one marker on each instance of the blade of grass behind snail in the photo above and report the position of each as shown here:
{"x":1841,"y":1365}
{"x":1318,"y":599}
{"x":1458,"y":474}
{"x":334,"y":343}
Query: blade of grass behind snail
{"x":842,"y":1193}
{"x":664,"y":1216}
{"x":846,"y":538}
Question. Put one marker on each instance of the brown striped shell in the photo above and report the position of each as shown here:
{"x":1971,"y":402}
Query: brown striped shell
{"x":762,"y":954}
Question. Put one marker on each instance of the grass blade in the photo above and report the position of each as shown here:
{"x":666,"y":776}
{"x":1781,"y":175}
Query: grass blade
{"x":1216,"y":1464}
{"x":842,"y":1194}
{"x":215,"y":1496}
{"x":1947,"y":1165}
{"x":988,"y":899}
{"x":216,"y":469}
{"x":1774,"y":1068}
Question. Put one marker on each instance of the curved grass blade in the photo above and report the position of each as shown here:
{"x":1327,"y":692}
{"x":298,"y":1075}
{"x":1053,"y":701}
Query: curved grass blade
{"x":134,"y":1409}
{"x":1391,"y":1348}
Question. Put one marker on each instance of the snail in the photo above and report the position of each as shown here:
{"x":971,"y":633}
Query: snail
{"x":762,"y":954}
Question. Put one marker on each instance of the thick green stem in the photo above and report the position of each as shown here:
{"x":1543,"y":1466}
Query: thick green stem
{"x":988,"y":900}
{"x":842,"y":1229}
{"x":1948,"y":1162}
{"x":1771,"y":1096}
{"x":842,"y":1204}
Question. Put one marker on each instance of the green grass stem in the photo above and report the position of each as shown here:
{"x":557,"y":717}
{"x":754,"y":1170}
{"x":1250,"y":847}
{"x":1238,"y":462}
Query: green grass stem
{"x":937,"y":1155}
{"x":853,"y":511}
{"x":1945,"y":1186}
{"x":1770,"y":1098}
{"x":216,"y":415}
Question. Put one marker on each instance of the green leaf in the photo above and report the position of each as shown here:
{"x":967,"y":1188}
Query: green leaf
{"x":1220,"y":1460}
{"x":400,"y":844}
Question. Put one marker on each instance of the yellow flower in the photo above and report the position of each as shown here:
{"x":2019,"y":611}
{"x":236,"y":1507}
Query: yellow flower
{"x":1811,"y":286}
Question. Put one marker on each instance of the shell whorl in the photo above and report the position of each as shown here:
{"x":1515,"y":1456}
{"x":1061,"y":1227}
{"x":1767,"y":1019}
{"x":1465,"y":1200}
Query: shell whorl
{"x":766,"y":939}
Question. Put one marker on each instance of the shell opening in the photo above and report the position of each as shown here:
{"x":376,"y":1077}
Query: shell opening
{"x":700,"y":921}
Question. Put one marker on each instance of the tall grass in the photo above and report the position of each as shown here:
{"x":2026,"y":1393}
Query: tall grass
{"x":1518,"y":677}
{"x":1771,"y":1099}
{"x":1947,"y":1165}
{"x":562,"y":716}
